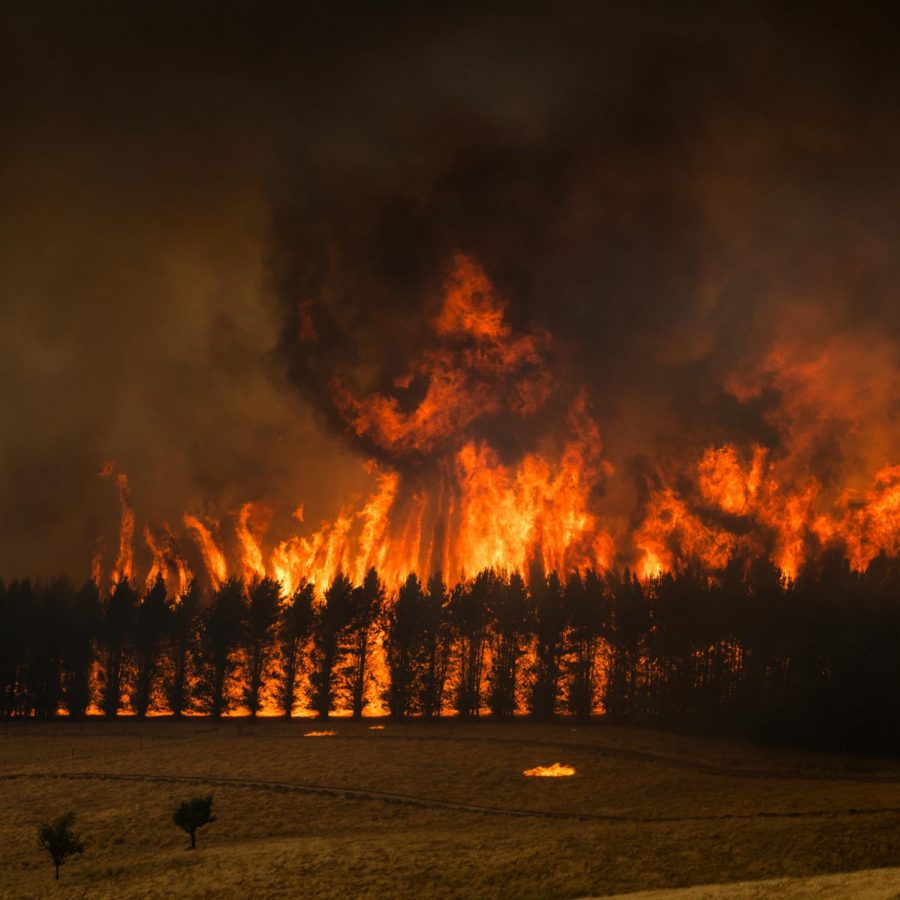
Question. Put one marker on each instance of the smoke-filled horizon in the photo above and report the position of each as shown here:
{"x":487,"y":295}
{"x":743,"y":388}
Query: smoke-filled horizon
{"x":229,"y":233}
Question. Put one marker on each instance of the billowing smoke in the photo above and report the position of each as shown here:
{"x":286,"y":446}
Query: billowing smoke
{"x":221,"y":221}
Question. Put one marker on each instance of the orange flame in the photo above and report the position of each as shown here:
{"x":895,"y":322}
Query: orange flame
{"x":557,"y":770}
{"x":124,"y":567}
{"x":213,"y":558}
{"x":482,"y":368}
{"x":446,"y":498}
{"x":251,"y":554}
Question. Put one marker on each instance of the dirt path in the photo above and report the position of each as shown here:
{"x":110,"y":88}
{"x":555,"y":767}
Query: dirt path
{"x":431,"y":802}
{"x":869,"y":884}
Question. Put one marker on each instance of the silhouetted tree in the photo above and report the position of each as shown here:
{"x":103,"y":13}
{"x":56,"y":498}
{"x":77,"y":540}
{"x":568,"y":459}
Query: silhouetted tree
{"x":17,"y":618}
{"x":220,"y":640}
{"x":183,"y":642}
{"x":366,"y":603}
{"x":437,"y":642}
{"x":469,"y":605}
{"x":672,"y":643}
{"x":588,"y":612}
{"x":59,"y":840}
{"x":81,"y":622}
{"x":194,"y":814}
{"x":331,"y":625}
{"x":293,"y":633}
{"x":509,"y":621}
{"x":116,"y":633}
{"x":403,"y":648}
{"x":262,"y":616}
{"x":151,"y":624}
{"x":549,"y":617}
{"x":43,"y":675}
{"x":626,"y":635}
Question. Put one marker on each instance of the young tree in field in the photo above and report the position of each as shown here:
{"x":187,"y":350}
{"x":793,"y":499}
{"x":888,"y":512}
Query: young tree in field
{"x":332,"y":620}
{"x":182,"y":643}
{"x":469,"y":604}
{"x":220,"y":638}
{"x":264,"y":597}
{"x":437,"y":640}
{"x":58,"y":839}
{"x":366,"y":603}
{"x":151,"y":624}
{"x":192,"y":815}
{"x":549,"y":617}
{"x":116,"y":632}
{"x":509,"y":613}
{"x":403,"y":647}
{"x":588,"y":611}
{"x":81,"y":622}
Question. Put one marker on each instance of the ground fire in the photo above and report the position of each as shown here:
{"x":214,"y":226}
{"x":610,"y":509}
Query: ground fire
{"x":556,"y":770}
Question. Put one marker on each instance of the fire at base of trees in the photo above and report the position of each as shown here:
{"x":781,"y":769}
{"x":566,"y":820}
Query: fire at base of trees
{"x":748,"y":653}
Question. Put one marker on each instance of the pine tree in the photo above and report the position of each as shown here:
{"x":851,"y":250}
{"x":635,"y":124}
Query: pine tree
{"x":262,"y":615}
{"x":294,"y":628}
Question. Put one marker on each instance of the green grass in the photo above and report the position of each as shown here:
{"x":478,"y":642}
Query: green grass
{"x":376,"y":813}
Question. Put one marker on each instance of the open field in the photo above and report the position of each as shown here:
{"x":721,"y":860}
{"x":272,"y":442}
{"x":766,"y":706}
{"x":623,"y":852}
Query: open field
{"x":440,"y":809}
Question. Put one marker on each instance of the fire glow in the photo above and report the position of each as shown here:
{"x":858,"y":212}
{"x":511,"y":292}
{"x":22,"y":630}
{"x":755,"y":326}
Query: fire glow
{"x":446,"y":500}
{"x":556,"y":770}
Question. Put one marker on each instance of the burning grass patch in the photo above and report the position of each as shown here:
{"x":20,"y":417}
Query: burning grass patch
{"x":556,"y":770}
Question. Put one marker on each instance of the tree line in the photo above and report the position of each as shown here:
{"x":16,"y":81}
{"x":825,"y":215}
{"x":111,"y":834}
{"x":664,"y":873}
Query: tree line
{"x":747,"y":653}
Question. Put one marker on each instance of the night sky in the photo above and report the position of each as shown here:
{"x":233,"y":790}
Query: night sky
{"x":673,"y":191}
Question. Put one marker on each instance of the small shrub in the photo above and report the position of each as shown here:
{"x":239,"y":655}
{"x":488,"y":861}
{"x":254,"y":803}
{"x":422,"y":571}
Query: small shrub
{"x":58,"y":839}
{"x":194,"y":814}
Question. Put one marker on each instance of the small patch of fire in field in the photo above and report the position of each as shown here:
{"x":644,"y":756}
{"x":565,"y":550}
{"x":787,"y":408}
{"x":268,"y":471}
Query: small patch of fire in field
{"x":556,"y":770}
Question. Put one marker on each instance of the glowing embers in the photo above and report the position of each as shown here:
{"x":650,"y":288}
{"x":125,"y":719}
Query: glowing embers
{"x":376,"y":728}
{"x":557,"y":770}
{"x":320,"y":734}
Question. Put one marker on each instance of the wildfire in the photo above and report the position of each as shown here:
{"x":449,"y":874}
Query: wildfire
{"x":124,"y":566}
{"x":557,"y":770}
{"x":319,"y":734}
{"x":446,"y":499}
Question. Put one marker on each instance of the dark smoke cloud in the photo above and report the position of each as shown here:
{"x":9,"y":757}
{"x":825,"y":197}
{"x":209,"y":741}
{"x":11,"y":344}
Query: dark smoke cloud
{"x":669,"y":189}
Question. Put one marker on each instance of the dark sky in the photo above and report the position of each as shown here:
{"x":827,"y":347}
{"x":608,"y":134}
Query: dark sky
{"x":673,"y":190}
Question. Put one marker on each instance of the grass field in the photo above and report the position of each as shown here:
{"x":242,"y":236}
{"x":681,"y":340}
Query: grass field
{"x":440,"y":809}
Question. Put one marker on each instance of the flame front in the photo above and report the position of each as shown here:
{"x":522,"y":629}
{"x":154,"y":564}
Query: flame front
{"x":446,"y":497}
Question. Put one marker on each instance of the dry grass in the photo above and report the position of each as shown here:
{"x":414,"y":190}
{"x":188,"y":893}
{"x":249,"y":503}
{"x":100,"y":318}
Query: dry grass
{"x":679,"y":811}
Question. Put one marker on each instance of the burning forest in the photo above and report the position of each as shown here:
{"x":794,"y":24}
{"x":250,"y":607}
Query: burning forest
{"x":566,"y":383}
{"x":445,"y":501}
{"x":471,"y":583}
